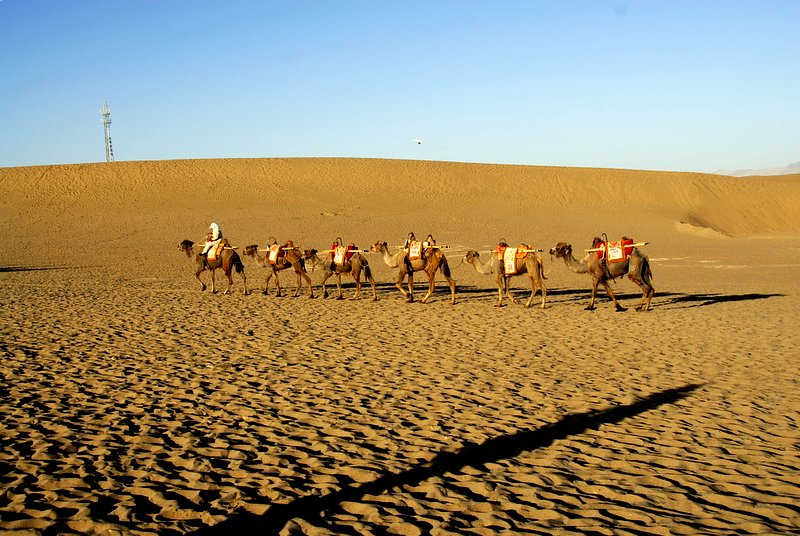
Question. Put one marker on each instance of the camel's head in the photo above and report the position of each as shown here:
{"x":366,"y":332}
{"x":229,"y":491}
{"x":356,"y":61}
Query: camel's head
{"x":561,"y":250}
{"x":377,"y":247}
{"x":252,"y":249}
{"x":309,"y":253}
{"x":472,"y":256}
{"x":187,"y":246}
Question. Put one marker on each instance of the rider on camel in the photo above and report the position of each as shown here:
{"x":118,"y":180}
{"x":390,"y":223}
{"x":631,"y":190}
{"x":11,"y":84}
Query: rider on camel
{"x":213,"y":238}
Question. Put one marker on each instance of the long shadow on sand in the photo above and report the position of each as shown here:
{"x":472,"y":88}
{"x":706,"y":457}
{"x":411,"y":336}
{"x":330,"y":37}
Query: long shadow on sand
{"x":4,"y":269}
{"x":661,"y":299}
{"x":699,"y":300}
{"x":311,"y":508}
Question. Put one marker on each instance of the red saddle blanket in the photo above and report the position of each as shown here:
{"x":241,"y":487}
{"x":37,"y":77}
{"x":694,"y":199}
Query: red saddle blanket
{"x":615,"y":251}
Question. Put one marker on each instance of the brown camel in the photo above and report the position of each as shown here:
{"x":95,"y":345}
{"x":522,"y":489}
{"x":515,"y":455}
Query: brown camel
{"x":530,"y":264}
{"x":352,"y":266}
{"x":636,"y":266}
{"x":227,"y":259}
{"x":291,"y":258}
{"x":432,"y":261}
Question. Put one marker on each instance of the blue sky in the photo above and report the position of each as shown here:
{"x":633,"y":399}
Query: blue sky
{"x":695,"y":85}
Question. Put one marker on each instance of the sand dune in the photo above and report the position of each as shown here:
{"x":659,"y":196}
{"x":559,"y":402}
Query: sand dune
{"x":134,"y":403}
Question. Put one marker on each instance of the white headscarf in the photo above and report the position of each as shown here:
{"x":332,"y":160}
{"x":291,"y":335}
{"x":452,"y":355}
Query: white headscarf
{"x":215,"y":231}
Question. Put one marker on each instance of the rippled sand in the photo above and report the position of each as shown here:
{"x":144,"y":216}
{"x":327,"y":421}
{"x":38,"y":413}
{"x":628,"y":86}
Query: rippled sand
{"x":134,"y":403}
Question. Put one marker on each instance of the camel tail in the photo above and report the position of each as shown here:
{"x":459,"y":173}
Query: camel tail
{"x":237,"y":263}
{"x":445,"y":267}
{"x":367,"y":272}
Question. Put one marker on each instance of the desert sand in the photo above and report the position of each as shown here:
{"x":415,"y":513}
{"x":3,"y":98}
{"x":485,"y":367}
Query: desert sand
{"x":134,"y":403}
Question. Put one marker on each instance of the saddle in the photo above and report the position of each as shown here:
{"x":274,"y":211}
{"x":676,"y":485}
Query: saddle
{"x":510,"y":256}
{"x":214,"y":252}
{"x":342,"y":254}
{"x":275,"y":254}
{"x":617,"y":251}
{"x":415,"y":251}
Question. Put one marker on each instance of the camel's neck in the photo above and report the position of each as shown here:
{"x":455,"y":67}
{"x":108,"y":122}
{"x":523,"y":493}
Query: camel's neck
{"x":579,"y":267}
{"x":484,"y":269}
{"x":261,"y":260}
{"x":392,"y":261}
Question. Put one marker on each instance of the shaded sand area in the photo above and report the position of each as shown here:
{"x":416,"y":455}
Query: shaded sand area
{"x":131,"y":402}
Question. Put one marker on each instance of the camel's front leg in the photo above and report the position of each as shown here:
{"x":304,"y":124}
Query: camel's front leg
{"x":310,"y":284}
{"x":595,"y":284}
{"x":213,"y":285}
{"x":499,"y":290}
{"x":507,"y":287}
{"x":374,"y":290}
{"x":277,"y":284}
{"x":399,"y":284}
{"x":229,"y":275}
{"x":431,"y":286}
{"x":611,"y":294}
{"x":339,"y":294}
{"x":357,"y":277}
{"x":197,"y":275}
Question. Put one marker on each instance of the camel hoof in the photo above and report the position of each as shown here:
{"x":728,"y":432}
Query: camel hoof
{"x":589,"y":308}
{"x":621,"y":309}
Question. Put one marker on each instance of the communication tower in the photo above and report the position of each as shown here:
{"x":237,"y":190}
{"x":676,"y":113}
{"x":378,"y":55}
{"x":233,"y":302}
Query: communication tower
{"x":106,"y":114}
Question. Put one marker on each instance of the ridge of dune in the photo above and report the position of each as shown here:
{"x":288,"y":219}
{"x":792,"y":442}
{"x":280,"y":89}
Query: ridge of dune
{"x":732,"y":206}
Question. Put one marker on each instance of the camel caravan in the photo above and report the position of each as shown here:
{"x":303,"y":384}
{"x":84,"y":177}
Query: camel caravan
{"x":605,"y":261}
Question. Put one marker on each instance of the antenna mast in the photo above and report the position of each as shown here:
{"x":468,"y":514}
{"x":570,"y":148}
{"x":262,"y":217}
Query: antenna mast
{"x":106,"y":114}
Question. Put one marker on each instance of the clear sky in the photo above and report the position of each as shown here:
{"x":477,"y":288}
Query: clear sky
{"x":686,"y":85}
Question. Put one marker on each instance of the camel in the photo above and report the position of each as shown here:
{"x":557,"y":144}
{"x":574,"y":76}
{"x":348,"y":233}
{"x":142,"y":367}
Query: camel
{"x":292,"y":258}
{"x":433,"y":260}
{"x":636,"y":267}
{"x":227,"y":259}
{"x":353,"y":267}
{"x":530,"y":264}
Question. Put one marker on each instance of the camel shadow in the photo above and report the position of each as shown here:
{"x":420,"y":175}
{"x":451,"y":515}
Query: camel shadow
{"x":700,"y":300}
{"x":663,"y":299}
{"x":4,"y":269}
{"x":312,"y":507}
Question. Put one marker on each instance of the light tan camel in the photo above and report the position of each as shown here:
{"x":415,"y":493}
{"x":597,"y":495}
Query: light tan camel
{"x":432,"y":261}
{"x":530,"y":264}
{"x":636,"y":267}
{"x":352,"y":266}
{"x":292,"y":258}
{"x":227,"y":259}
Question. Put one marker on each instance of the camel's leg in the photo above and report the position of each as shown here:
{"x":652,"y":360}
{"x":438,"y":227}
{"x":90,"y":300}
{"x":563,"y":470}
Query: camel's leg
{"x":507,"y":288}
{"x":266,"y":283}
{"x":374,"y":290}
{"x":298,"y":284}
{"x":324,"y":290}
{"x":357,"y":277}
{"x":595,"y":284}
{"x":410,"y":287}
{"x":229,"y":275}
{"x":213,"y":285}
{"x":197,"y":275}
{"x":499,"y":290}
{"x":339,"y":294}
{"x":310,"y":285}
{"x":533,"y":292}
{"x":431,"y":285}
{"x":613,"y":297}
{"x":277,"y":284}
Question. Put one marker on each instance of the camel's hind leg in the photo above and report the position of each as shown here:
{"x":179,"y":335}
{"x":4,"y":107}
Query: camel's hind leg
{"x":534,"y":289}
